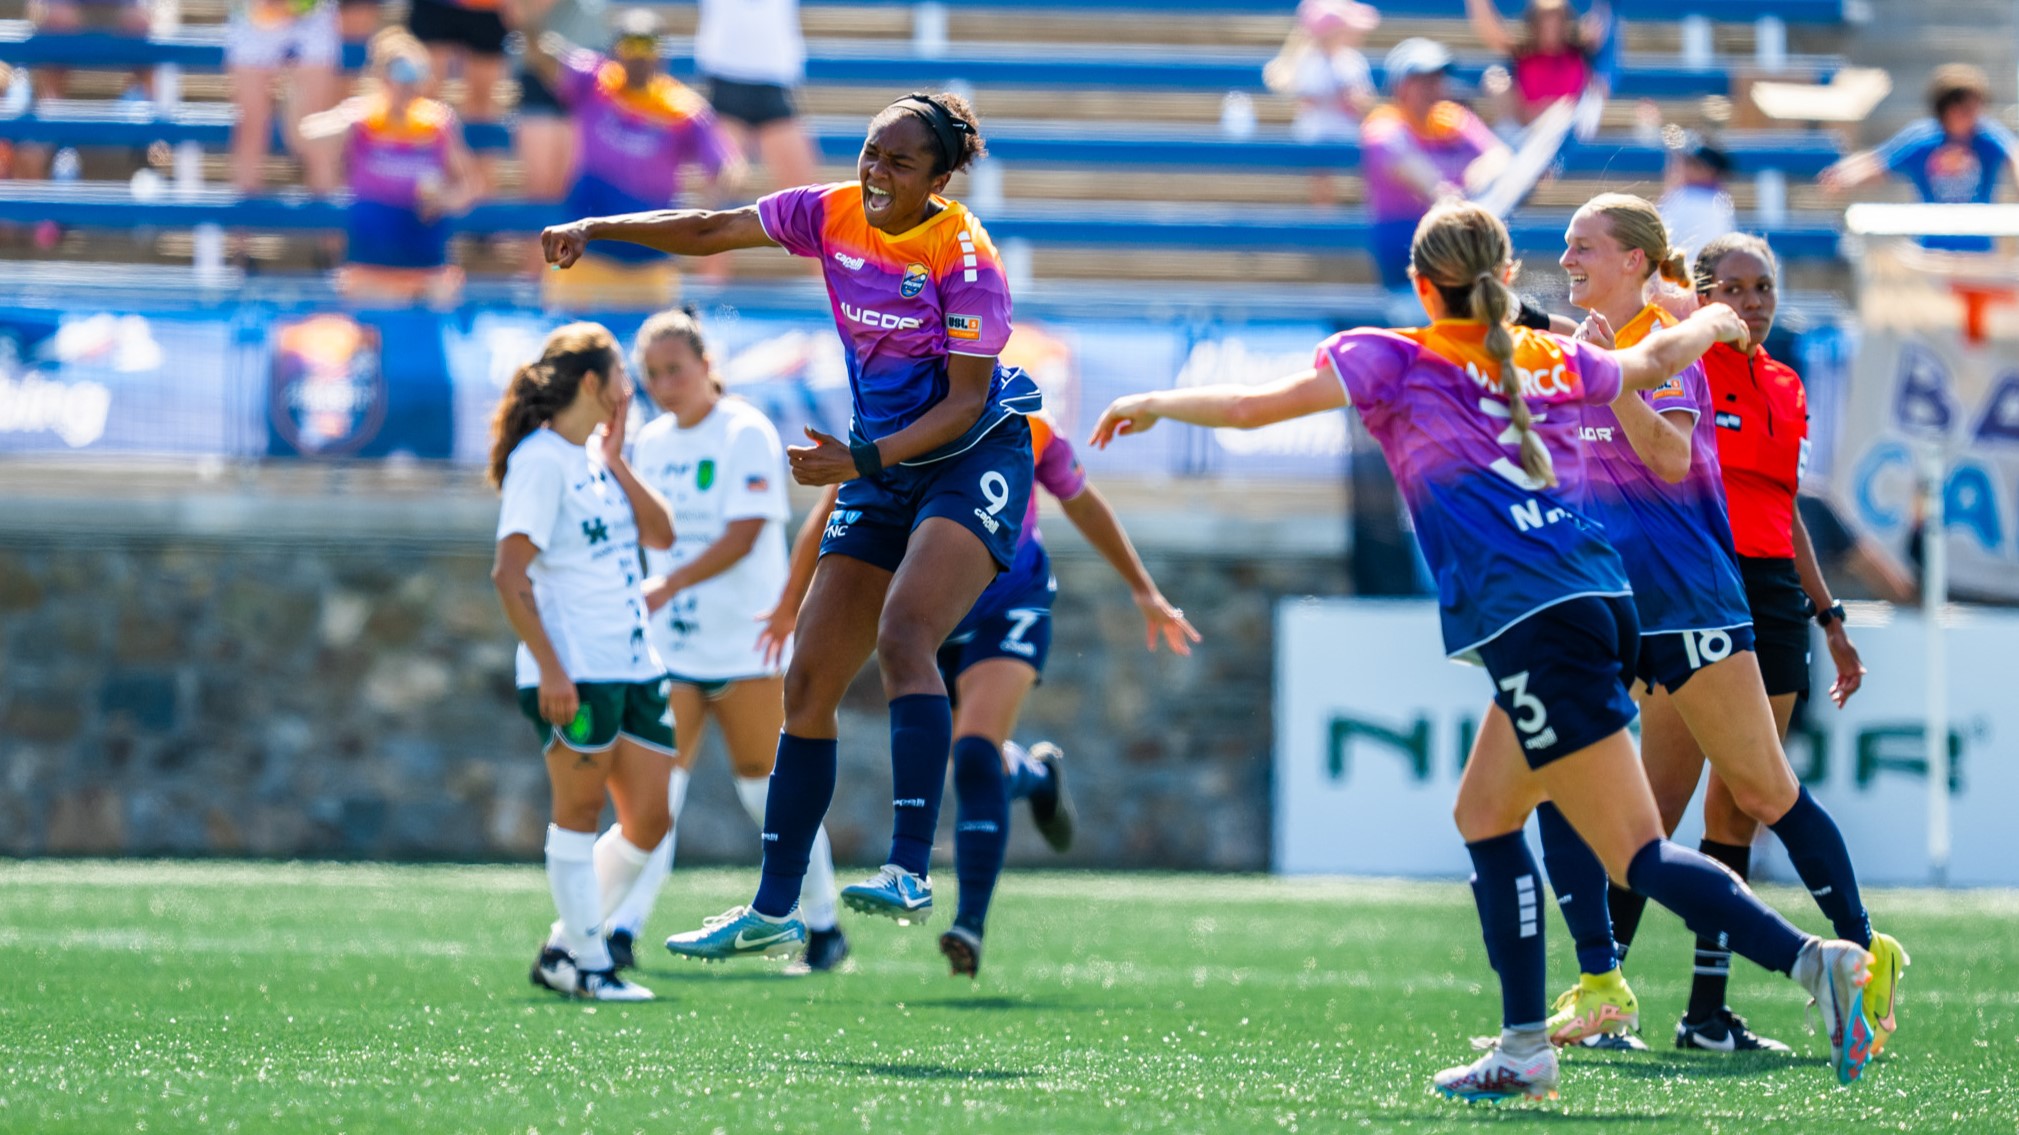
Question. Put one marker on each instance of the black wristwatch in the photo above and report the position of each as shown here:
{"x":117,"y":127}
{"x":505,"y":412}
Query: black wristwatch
{"x":1834,"y":613}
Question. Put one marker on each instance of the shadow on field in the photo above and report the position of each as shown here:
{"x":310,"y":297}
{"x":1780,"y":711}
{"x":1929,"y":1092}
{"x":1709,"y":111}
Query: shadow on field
{"x":1710,"y":1067}
{"x":919,"y":1071}
{"x":997,"y":1004}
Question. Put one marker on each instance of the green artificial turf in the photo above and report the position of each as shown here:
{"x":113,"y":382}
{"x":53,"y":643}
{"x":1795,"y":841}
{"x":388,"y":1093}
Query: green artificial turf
{"x":165,"y":997}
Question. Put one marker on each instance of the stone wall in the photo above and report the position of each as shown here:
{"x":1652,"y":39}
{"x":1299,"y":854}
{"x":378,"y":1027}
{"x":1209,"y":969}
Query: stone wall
{"x":225,"y":694}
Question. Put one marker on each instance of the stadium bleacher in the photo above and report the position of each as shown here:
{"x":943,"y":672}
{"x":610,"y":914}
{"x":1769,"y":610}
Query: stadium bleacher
{"x":1089,"y":125}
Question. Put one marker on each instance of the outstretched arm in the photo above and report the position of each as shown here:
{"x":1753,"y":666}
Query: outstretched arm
{"x":1090,"y":513}
{"x":1237,"y":407}
{"x":683,"y":232}
{"x":1662,"y":355}
{"x":1491,"y":29}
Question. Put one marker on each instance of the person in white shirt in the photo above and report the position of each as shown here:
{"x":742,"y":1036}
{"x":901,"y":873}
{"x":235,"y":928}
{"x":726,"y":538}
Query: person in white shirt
{"x":1321,"y":66}
{"x":569,"y":576}
{"x":754,"y":56}
{"x":719,"y":463}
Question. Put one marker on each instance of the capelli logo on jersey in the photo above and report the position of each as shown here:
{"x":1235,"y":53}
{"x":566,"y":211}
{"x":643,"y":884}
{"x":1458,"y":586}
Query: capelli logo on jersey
{"x":852,"y":263}
{"x":878,"y":319}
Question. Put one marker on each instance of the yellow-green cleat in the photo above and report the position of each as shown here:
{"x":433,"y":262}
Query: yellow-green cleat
{"x":1889,"y":958}
{"x":1598,"y":1004}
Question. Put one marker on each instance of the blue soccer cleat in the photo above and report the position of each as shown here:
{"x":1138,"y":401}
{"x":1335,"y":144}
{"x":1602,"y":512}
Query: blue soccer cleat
{"x":740,"y":932}
{"x":892,"y":892}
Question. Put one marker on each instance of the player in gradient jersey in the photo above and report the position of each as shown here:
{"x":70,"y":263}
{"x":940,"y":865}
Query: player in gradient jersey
{"x":934,"y":482}
{"x":1657,"y":489}
{"x":991,"y":662}
{"x":1480,"y":423}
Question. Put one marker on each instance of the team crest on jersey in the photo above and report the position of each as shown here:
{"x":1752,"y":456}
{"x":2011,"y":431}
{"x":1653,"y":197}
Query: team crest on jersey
{"x":704,"y":475}
{"x":914,"y":280}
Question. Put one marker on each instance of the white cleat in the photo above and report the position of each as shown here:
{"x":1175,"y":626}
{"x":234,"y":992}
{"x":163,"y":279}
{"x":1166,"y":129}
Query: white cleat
{"x":605,"y":985}
{"x":555,"y":970}
{"x":1499,"y":1076}
{"x":1836,"y":980}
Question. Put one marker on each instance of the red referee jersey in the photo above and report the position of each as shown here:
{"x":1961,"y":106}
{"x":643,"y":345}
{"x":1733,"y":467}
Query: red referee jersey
{"x":1763,"y":446}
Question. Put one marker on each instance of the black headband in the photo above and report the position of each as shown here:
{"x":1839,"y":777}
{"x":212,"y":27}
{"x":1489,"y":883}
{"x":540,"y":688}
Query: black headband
{"x":945,"y":127}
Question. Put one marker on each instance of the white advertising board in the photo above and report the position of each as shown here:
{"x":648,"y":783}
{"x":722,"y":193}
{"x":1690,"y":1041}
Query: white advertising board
{"x":1372,"y":724}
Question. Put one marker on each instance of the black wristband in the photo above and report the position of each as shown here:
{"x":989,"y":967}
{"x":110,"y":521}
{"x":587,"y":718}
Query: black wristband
{"x":868,"y":460}
{"x":1834,"y":613}
{"x":1532,"y":317}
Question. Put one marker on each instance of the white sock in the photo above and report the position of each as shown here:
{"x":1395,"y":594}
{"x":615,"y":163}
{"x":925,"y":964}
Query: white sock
{"x":817,"y":895}
{"x":1015,"y":756}
{"x":571,"y":877}
{"x":619,"y":864}
{"x":635,"y":911}
{"x":754,"y":791}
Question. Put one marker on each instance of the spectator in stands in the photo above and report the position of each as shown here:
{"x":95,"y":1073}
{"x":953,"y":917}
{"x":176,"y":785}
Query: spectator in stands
{"x":1320,"y":65}
{"x":1695,"y":205}
{"x":466,"y":38}
{"x":1554,"y":56}
{"x":544,"y":136}
{"x":753,"y":56}
{"x":1952,"y":158}
{"x":636,"y":127}
{"x":1417,"y":149}
{"x":266,"y":40}
{"x":357,"y":20}
{"x":409,"y":170}
{"x":126,"y":17}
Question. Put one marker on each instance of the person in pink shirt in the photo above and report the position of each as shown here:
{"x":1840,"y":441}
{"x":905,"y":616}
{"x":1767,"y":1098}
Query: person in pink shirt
{"x":1551,"y":57}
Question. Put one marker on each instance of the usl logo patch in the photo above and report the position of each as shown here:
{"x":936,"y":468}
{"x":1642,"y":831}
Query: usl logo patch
{"x":913,"y":282}
{"x":963,"y":326}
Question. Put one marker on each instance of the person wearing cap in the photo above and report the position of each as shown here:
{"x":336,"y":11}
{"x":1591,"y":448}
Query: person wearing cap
{"x":1953,"y":157}
{"x":1417,"y":149}
{"x":1321,"y":67}
{"x":1695,"y":205}
{"x":636,"y":128}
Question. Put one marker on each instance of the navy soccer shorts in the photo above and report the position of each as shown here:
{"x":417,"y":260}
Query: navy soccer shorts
{"x":984,"y":489}
{"x":1669,"y":659}
{"x":1562,"y":674}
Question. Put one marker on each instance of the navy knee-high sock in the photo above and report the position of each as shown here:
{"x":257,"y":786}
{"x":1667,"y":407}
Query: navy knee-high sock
{"x":1711,"y":974}
{"x":1579,"y":881}
{"x":802,"y":786}
{"x":980,"y":827}
{"x":1715,"y":903}
{"x":921,"y":733}
{"x":1509,"y":894}
{"x":1816,"y":847}
{"x":1626,"y":907}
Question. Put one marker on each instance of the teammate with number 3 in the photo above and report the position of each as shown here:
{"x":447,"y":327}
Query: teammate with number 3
{"x":935,"y":478}
{"x":1656,"y":488}
{"x":1481,"y":423}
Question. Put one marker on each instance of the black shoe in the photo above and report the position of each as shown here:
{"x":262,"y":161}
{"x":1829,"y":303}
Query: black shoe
{"x":1051,"y":806}
{"x":1725,"y":1031}
{"x":962,"y":948}
{"x":825,"y":949}
{"x":621,"y":957}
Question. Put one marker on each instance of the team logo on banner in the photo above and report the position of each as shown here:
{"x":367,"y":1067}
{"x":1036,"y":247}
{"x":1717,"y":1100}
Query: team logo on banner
{"x":914,"y":280}
{"x":328,"y":392}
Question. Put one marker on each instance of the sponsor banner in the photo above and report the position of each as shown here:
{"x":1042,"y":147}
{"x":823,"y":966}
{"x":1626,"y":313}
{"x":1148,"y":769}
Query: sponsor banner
{"x":105,"y":382}
{"x":1373,"y":725}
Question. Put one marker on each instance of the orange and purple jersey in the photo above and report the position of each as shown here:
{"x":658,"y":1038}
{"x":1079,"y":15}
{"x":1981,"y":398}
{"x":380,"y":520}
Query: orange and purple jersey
{"x":1501,"y":545}
{"x":1676,"y":540}
{"x":386,"y":160}
{"x":903,"y":303}
{"x":635,"y":142}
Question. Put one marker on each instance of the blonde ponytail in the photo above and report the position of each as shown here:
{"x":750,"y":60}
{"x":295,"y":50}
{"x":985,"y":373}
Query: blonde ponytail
{"x":1464,"y":250}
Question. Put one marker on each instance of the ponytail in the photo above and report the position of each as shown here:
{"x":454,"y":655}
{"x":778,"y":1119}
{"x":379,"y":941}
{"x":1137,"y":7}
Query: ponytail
{"x":1675,"y":268}
{"x":1464,"y":251}
{"x":543,"y":388}
{"x":1491,"y":303}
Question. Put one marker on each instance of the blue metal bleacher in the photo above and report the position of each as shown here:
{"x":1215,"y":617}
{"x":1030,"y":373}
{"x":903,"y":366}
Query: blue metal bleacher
{"x":1811,"y":12}
{"x":1801,"y":154}
{"x":895,"y":64}
{"x":1210,"y":229}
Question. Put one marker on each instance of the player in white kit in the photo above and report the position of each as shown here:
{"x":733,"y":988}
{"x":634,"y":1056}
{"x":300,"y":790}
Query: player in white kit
{"x":719,"y":463}
{"x":568,"y":575}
